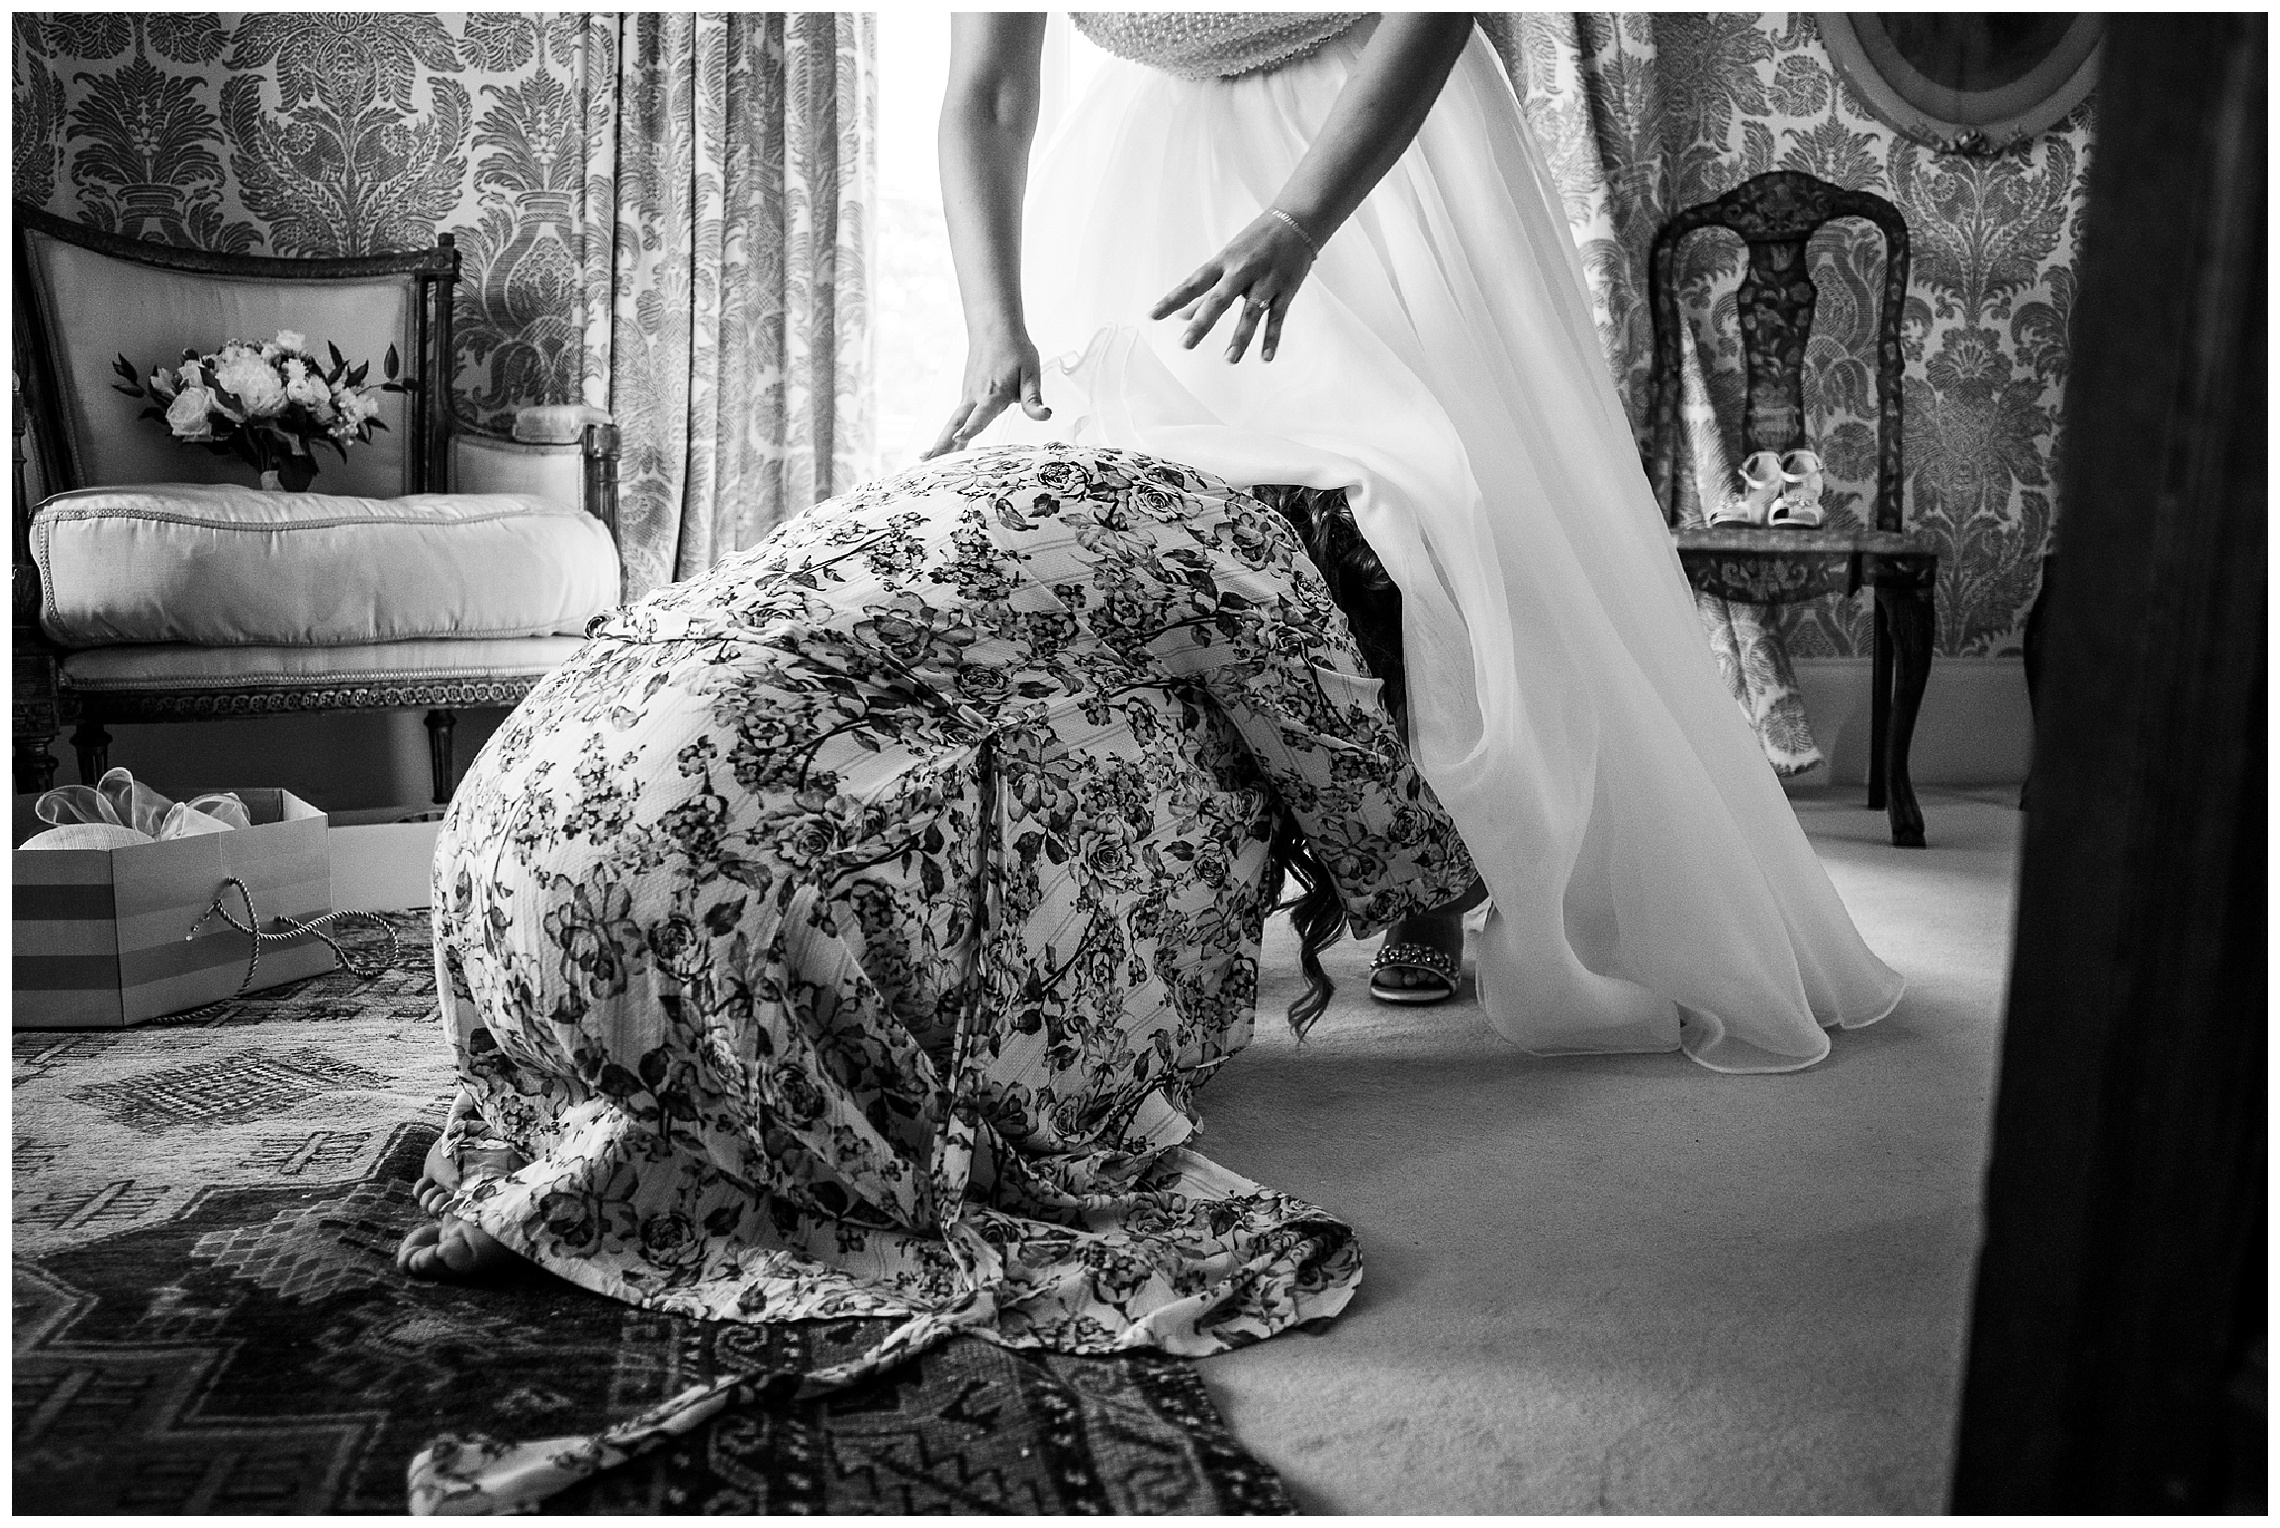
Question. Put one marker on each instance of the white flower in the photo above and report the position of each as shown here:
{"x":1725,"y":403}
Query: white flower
{"x":306,"y":388}
{"x":292,"y":341}
{"x":189,"y":416}
{"x":253,"y":380}
{"x":161,"y":385}
{"x":356,"y":404}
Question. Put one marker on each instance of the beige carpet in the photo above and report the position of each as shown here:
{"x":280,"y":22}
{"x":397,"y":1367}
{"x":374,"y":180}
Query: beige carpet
{"x":1625,"y":1284}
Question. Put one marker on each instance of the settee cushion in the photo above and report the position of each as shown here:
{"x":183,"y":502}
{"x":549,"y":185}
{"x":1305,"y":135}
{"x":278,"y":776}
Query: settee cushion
{"x":222,"y":566}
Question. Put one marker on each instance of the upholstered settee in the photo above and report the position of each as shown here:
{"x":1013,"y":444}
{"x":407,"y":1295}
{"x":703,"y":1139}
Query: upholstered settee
{"x":436,"y":567}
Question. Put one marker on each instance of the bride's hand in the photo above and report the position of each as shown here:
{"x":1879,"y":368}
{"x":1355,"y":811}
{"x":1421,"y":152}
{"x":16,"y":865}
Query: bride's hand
{"x":1261,"y":267}
{"x":1000,"y":370}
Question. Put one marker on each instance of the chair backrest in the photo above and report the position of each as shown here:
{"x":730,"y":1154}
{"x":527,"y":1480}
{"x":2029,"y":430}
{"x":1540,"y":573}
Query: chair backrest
{"x":84,"y":297}
{"x":1775,"y":214}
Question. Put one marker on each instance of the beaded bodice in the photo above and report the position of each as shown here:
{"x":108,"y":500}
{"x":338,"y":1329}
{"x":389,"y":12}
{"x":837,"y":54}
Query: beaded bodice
{"x":1202,"y":45}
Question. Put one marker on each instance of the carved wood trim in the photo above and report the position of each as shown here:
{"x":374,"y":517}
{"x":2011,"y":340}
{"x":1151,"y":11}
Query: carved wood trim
{"x":601,"y":447}
{"x":1775,"y":214}
{"x":35,"y":712}
{"x":39,"y":403}
{"x":193,"y":705}
{"x":23,"y":572}
{"x":1780,"y":579}
{"x":1775,"y":541}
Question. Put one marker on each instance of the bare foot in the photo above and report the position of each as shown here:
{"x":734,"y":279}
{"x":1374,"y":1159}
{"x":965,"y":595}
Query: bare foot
{"x":452,"y":1247}
{"x":441,"y":1174}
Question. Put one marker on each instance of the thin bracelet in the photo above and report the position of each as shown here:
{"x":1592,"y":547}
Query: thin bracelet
{"x":1297,"y":228}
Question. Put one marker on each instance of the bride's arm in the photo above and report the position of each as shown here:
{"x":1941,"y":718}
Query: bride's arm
{"x":989,"y":116}
{"x":1378,"y":112}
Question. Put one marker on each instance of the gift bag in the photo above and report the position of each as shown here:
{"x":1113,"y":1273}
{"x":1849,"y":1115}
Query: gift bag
{"x":106,"y":937}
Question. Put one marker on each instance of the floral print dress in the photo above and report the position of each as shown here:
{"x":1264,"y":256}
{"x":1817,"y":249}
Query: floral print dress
{"x":845,"y":932}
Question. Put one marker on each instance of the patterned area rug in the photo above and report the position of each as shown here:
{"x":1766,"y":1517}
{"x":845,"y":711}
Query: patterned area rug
{"x":207,"y":1316}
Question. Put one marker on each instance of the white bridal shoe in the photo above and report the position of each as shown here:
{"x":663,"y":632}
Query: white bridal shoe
{"x":1762,"y":481}
{"x":1799,"y":504}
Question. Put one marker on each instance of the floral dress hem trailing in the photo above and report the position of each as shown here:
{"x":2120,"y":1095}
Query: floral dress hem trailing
{"x":845,"y":932}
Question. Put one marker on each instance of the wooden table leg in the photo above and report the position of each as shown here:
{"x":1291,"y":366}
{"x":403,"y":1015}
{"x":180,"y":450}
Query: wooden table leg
{"x":1907,"y":610}
{"x":442,"y":766}
{"x":1879,"y":705}
{"x":37,"y":714}
{"x":93,"y":745}
{"x":35,"y":766}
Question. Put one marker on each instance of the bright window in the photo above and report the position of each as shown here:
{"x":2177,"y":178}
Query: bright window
{"x":920,"y":345}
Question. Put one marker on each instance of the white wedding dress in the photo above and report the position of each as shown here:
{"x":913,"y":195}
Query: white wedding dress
{"x":1651,"y":887}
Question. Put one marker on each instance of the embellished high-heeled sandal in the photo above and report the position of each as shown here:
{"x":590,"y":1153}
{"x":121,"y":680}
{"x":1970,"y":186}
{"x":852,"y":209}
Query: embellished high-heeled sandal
{"x":1439,"y":964}
{"x":1761,"y":482}
{"x":1799,"y":504}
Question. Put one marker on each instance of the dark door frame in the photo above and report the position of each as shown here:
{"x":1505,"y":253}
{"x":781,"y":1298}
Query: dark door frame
{"x":2116,"y":1357}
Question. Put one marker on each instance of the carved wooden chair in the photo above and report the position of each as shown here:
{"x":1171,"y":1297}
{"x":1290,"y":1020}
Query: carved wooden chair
{"x":82,"y":297}
{"x":1775,"y":214}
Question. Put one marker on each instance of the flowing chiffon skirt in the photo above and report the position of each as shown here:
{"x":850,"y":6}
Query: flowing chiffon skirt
{"x":1651,"y":887}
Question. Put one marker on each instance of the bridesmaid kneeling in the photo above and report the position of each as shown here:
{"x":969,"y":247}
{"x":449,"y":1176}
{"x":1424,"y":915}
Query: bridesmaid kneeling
{"x":845,"y":932}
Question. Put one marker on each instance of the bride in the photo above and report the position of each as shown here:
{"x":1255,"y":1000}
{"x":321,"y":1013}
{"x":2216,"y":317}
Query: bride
{"x":1323,"y":250}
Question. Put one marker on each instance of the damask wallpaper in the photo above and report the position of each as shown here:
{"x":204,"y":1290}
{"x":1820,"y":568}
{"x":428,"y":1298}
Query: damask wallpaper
{"x":549,"y":144}
{"x":656,"y":212}
{"x":1644,"y":114}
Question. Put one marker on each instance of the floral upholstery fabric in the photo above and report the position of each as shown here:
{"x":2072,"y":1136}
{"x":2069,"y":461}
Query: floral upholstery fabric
{"x":846,"y":931}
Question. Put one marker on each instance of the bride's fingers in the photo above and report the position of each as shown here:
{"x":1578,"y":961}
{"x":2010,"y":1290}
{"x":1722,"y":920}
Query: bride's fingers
{"x":1207,"y":315}
{"x":1271,"y":340}
{"x":948,"y":440}
{"x":1183,"y":296}
{"x":1253,"y":309}
{"x":979,"y":420}
{"x":1032,"y":400}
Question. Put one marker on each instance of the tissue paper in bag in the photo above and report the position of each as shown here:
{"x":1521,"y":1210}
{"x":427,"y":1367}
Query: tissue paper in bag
{"x":121,"y":810}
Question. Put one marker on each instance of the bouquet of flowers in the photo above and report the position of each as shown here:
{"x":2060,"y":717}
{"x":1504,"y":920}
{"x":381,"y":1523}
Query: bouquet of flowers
{"x":268,"y":404}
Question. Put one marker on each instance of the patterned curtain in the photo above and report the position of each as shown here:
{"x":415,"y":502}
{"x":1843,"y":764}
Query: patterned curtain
{"x":1644,"y":114}
{"x":666,"y":216}
{"x":729,"y":324}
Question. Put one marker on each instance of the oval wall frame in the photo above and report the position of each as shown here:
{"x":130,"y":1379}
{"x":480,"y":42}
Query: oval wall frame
{"x":1967,"y":82}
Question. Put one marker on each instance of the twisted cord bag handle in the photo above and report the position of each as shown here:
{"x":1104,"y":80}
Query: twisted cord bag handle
{"x":288,"y":929}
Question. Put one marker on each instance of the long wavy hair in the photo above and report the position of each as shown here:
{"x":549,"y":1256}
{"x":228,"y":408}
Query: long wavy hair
{"x":1372,"y":604}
